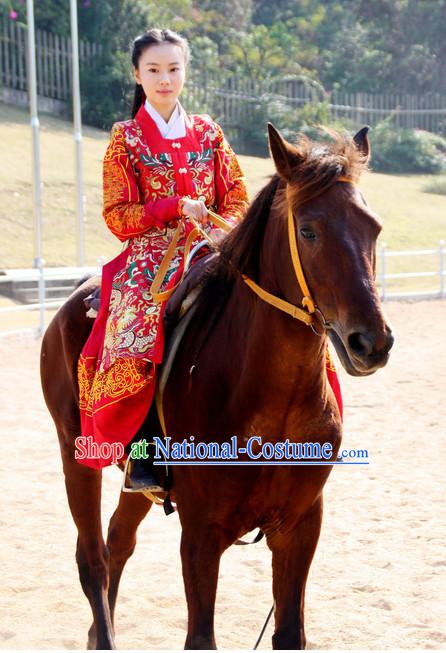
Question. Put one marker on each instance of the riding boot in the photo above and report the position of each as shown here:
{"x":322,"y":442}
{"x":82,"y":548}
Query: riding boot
{"x":141,"y":474}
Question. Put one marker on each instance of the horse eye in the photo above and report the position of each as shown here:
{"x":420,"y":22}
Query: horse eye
{"x":308,"y":234}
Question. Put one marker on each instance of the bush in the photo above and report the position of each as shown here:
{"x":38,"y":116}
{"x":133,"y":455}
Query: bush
{"x":436,"y":186}
{"x":406,"y":150}
{"x":288,"y":119}
{"x":107,"y":89}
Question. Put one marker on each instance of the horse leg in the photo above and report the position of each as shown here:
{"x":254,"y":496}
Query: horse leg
{"x":121,"y":540}
{"x":201,"y":550}
{"x":292,"y":556}
{"x":83,"y":486}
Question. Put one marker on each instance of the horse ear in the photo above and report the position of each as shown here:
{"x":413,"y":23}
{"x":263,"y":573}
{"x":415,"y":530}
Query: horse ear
{"x":362,"y":142}
{"x":285,"y":155}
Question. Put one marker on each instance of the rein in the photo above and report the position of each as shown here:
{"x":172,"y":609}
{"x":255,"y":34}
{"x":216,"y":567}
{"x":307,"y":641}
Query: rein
{"x":309,"y":309}
{"x":157,"y":282}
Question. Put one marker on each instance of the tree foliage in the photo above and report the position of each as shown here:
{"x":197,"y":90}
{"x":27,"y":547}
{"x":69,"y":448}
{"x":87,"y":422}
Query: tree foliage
{"x":356,"y":45}
{"x":374,"y":46}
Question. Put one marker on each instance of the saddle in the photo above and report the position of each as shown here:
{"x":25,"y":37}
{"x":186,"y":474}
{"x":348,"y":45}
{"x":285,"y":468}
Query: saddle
{"x":187,"y":292}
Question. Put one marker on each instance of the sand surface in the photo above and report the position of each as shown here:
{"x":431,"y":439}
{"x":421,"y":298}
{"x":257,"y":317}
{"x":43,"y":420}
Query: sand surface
{"x":378,"y":577}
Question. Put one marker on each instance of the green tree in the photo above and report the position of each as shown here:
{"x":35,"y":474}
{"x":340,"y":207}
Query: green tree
{"x":263,"y":52}
{"x":215,"y":19}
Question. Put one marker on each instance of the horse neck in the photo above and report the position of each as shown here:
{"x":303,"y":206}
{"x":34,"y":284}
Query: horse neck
{"x":287,"y":349}
{"x":283,"y":350}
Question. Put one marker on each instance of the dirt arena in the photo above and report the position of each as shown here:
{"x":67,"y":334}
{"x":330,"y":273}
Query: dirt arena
{"x":378,"y":577}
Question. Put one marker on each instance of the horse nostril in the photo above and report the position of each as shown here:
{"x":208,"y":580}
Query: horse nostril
{"x":390,"y":341}
{"x":360,"y":344}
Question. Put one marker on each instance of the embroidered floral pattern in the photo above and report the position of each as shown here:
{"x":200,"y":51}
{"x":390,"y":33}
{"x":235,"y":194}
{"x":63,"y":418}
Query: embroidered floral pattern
{"x":200,"y":157}
{"x":156,"y":161}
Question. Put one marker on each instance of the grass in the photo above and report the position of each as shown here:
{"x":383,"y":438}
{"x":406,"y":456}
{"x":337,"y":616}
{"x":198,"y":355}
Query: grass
{"x":412,"y":219}
{"x":436,"y":186}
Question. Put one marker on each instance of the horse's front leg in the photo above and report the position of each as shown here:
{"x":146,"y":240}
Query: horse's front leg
{"x":201,"y":550}
{"x":292,"y":556}
{"x":84,"y":497}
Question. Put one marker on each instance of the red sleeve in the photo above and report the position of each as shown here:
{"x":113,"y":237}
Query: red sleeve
{"x":125,"y":212}
{"x":230,"y":186}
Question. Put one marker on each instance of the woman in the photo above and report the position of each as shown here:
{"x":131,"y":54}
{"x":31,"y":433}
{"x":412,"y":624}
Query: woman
{"x":160,"y":167}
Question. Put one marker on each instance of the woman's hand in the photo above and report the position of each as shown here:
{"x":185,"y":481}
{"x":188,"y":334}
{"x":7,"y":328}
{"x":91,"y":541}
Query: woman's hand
{"x":217,"y":235}
{"x":195,"y":209}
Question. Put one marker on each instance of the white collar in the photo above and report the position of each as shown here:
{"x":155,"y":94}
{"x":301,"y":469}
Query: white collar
{"x":175,"y":128}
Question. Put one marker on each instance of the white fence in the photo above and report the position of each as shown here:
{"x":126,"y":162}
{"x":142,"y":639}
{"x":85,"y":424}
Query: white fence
{"x":385,"y":280}
{"x":41,"y":280}
{"x":233,"y":98}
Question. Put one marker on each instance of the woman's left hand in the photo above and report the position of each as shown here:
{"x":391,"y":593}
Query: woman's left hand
{"x":217,"y":235}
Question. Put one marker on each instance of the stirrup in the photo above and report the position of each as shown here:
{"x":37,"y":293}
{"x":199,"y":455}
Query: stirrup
{"x":147,"y":491}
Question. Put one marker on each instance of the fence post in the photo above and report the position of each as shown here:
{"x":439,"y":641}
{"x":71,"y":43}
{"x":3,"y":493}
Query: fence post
{"x":383,"y":271}
{"x":41,"y":268}
{"x":441,"y":267}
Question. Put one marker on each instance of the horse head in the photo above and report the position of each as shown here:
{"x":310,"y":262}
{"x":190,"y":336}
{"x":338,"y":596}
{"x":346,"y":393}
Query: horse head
{"x":336,"y":234}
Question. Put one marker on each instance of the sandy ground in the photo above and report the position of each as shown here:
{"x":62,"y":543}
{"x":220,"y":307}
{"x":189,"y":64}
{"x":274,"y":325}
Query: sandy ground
{"x":378,"y":577}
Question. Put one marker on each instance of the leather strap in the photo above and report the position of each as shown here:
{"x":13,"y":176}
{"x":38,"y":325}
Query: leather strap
{"x":307,"y":300}
{"x":279,"y":303}
{"x":162,"y":270}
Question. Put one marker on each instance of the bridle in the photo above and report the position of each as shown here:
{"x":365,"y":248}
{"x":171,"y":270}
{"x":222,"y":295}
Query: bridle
{"x":309,"y":311}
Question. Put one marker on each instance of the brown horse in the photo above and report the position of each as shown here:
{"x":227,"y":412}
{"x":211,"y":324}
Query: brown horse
{"x":244,"y":368}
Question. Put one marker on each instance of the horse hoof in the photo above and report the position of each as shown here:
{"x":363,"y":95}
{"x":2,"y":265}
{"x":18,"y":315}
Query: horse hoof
{"x":91,"y":641}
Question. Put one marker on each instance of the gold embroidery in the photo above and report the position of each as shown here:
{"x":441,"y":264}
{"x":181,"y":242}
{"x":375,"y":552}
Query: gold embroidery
{"x":85,"y":376}
{"x":329,"y":363}
{"x":133,"y":320}
{"x":99,"y":389}
{"x":123,"y":210}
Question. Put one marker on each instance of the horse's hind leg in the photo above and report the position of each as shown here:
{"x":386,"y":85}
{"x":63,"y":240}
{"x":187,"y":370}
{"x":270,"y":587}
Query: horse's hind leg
{"x":84,"y":497}
{"x":292,"y":556}
{"x":121,"y":540}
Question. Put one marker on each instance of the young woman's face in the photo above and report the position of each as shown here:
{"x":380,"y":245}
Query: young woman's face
{"x":161,"y":72}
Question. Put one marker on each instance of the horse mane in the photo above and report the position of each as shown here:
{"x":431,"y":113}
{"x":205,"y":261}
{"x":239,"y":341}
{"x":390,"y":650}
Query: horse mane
{"x":239,"y":254}
{"x":318,"y":166}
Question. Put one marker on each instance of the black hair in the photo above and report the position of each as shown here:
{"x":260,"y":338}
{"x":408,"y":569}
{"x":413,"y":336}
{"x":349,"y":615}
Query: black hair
{"x":154,"y":36}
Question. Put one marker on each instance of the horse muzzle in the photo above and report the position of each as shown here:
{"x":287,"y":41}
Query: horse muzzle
{"x":361,"y":351}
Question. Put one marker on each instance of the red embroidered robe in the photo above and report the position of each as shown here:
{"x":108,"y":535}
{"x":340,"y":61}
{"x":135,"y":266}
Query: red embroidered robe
{"x":144,"y":178}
